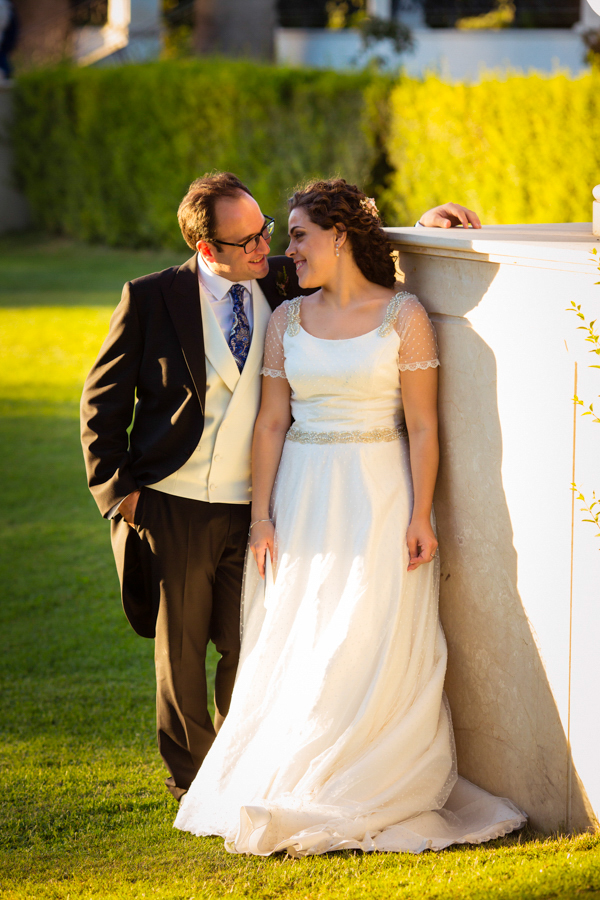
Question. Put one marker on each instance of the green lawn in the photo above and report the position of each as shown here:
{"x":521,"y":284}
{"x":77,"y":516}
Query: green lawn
{"x":83,"y":809}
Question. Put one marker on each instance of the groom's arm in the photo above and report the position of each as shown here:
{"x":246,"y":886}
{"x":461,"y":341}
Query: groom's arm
{"x":107,"y":405}
{"x":449,"y":215}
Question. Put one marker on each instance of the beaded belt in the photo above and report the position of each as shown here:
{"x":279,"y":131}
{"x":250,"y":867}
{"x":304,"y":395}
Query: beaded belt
{"x":390,"y":433}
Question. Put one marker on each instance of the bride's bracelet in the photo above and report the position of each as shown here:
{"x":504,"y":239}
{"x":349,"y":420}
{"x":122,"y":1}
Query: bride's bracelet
{"x":258,"y":521}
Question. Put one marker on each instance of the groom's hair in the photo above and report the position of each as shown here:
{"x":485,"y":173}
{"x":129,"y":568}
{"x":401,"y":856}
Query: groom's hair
{"x":196,"y":213}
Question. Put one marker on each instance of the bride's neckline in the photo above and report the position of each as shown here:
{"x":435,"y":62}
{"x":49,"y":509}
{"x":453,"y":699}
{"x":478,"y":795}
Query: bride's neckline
{"x":340,"y":340}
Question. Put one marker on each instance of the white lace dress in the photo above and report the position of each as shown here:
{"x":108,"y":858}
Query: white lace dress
{"x":339,"y":735}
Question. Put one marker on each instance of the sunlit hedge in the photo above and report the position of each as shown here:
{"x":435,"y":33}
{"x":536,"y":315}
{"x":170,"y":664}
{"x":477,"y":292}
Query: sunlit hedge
{"x":105,"y":154}
{"x":518,"y":149}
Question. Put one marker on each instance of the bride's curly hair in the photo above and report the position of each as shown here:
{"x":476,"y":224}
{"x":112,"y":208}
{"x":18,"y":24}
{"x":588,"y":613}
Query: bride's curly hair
{"x":337,"y":204}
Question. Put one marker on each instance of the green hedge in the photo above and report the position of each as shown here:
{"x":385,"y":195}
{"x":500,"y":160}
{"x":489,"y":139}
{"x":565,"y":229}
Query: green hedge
{"x":106,"y":154}
{"x":520,"y":149}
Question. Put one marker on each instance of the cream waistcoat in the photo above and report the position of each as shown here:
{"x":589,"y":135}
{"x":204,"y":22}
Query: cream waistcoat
{"x":218,"y":471}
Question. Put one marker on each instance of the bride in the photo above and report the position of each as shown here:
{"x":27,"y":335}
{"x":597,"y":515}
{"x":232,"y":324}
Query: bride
{"x":339,"y":734}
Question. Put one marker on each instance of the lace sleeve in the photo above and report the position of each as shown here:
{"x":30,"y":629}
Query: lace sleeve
{"x":274,"y":358}
{"x":418,"y":343}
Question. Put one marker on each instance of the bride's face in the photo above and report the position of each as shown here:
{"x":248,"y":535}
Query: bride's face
{"x":312,"y":249}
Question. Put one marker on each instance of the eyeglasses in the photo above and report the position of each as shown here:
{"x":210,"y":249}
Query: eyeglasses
{"x":252,"y":243}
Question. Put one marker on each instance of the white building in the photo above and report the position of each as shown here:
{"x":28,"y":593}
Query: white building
{"x":456,"y":54}
{"x":132,"y":34}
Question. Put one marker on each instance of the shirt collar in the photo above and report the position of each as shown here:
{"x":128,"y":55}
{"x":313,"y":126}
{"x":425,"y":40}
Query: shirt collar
{"x":217,"y":286}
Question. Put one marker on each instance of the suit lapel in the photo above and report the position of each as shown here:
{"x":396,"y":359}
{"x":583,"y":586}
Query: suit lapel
{"x":183,"y":303}
{"x":216,"y":347}
{"x":241,"y":403}
{"x":262,"y":314}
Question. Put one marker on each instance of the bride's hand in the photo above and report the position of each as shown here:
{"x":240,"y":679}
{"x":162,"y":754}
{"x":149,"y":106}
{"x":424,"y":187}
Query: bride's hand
{"x":422,"y":543}
{"x":262,"y":538}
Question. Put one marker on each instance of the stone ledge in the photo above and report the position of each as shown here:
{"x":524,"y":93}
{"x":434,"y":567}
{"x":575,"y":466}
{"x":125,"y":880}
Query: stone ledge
{"x":566,"y":246}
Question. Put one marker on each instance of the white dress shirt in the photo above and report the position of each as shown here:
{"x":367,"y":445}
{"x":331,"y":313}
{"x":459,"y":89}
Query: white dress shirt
{"x":221,"y":303}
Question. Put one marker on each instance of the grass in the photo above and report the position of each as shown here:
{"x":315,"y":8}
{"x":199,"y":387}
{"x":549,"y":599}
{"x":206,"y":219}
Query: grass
{"x":83,"y":810}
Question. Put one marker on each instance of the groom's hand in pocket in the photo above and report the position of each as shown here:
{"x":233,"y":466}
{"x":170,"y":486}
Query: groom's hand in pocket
{"x":127,"y":507}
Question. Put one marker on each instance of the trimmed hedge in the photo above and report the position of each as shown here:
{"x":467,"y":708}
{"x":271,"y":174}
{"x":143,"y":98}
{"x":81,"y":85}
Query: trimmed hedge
{"x":520,"y":149}
{"x":106,"y":154}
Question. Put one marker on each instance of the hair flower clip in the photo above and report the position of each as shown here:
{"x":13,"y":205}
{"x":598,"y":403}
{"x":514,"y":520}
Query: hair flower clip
{"x":369,"y":205}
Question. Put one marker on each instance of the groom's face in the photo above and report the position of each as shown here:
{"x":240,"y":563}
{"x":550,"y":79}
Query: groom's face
{"x":236,"y":220}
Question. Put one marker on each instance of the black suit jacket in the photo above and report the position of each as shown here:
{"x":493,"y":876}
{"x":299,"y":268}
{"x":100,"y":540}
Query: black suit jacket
{"x":153,"y":359}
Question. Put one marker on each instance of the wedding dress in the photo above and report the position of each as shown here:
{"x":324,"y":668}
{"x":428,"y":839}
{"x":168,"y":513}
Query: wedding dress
{"x":339,"y":734}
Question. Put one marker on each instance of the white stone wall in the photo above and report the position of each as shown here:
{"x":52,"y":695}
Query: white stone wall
{"x":133,"y":33}
{"x":503,"y":502}
{"x":457,"y":55}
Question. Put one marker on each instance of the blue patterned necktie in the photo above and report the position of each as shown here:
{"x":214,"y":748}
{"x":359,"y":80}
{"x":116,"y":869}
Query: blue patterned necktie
{"x":239,"y":337}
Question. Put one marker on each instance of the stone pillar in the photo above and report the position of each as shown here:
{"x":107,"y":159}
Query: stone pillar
{"x":93,"y":44}
{"x":520,"y":568}
{"x":235,"y":27}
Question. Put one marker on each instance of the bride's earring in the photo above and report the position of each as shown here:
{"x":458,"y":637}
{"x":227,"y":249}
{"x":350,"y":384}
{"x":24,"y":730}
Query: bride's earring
{"x":337,"y":250}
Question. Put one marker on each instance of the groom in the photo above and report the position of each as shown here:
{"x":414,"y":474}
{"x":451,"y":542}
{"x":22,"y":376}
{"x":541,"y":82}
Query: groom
{"x":185,"y":349}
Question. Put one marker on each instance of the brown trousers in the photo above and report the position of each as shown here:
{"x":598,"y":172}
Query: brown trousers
{"x":197,"y":564}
